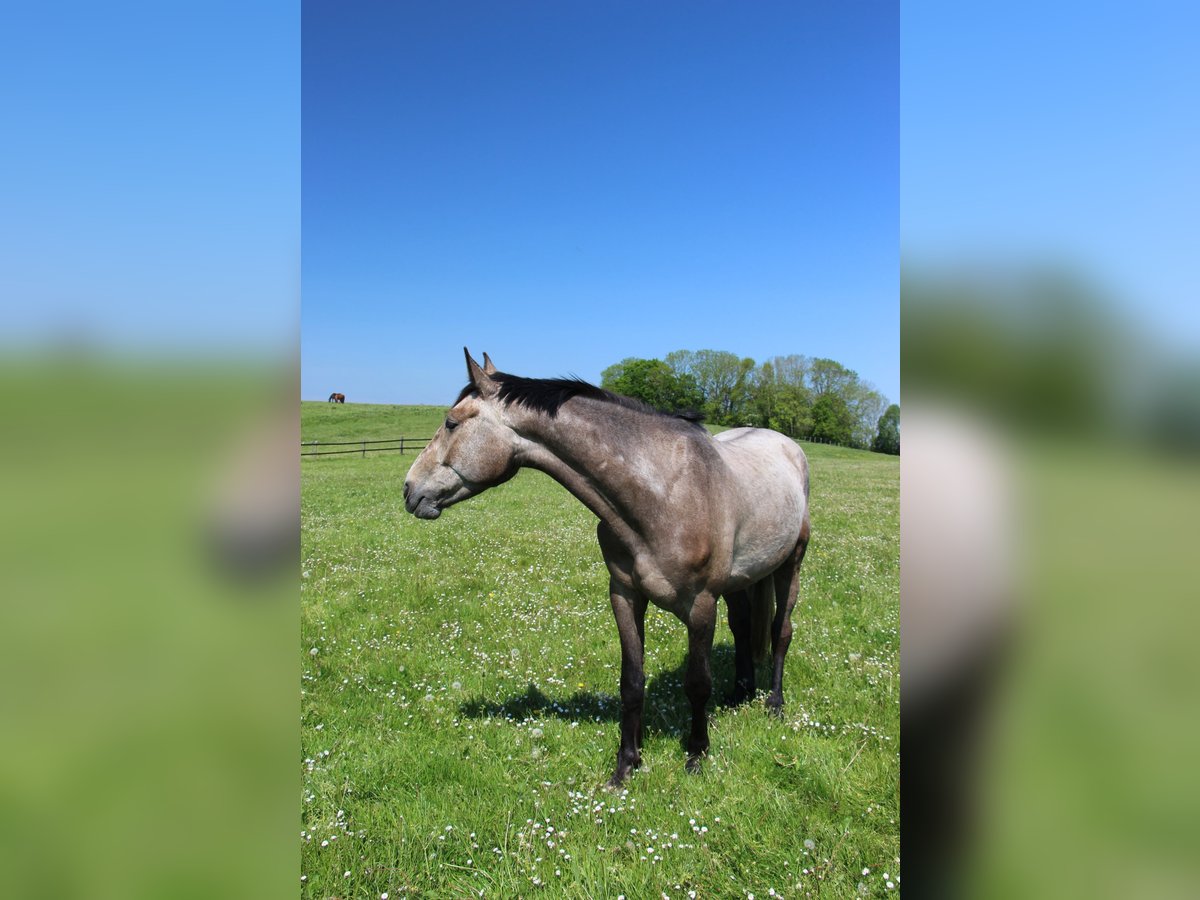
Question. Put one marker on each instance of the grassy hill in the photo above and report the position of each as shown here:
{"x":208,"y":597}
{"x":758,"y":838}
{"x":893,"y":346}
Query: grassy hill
{"x":460,"y":698}
{"x":367,"y":421}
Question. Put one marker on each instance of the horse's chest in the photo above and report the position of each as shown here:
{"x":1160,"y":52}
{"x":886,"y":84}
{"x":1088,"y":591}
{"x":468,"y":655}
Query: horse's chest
{"x":666,"y":578}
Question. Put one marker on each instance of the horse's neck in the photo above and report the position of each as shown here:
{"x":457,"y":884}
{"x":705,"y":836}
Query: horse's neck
{"x":600,"y":453}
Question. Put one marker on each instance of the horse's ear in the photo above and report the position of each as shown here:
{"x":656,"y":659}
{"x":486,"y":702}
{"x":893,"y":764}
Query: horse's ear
{"x":489,"y":367}
{"x":479,"y":378}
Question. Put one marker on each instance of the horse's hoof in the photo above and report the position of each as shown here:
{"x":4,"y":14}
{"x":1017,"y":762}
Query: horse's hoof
{"x":775,"y":708}
{"x":622,"y":774}
{"x":693,"y":764}
{"x":617,"y":781}
{"x":737,"y":698}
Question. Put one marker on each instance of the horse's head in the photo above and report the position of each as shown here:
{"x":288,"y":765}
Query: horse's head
{"x":472,"y":451}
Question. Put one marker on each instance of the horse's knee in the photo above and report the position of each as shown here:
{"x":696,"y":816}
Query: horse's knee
{"x":633,"y":691}
{"x":698,"y":687}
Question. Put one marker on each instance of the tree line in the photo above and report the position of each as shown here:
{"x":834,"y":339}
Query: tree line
{"x":806,"y":398}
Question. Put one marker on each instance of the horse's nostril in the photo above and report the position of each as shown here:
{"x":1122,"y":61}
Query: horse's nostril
{"x":407,"y":488}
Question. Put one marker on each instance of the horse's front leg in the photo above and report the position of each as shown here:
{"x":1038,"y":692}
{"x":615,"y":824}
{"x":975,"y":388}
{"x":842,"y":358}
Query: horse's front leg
{"x":629,"y":608}
{"x":698,"y":681}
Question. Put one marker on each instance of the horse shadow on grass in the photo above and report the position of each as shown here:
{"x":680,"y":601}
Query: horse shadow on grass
{"x":667,"y":711}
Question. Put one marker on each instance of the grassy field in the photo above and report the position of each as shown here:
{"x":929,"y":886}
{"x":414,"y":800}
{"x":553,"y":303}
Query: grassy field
{"x":460,"y":712}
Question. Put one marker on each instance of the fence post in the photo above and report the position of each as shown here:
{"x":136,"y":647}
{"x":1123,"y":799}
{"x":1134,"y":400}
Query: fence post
{"x":364,"y":446}
{"x":401,"y":445}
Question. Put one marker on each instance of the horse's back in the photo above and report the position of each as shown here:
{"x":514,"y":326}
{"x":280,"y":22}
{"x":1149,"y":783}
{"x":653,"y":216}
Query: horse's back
{"x":761,"y":457}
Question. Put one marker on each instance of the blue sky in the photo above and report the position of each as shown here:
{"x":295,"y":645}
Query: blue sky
{"x":1064,"y":134}
{"x":565,"y":185}
{"x":151,"y":190}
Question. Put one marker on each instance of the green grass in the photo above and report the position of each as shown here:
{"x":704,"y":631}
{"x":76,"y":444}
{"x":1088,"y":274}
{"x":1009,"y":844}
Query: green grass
{"x":459,"y":699}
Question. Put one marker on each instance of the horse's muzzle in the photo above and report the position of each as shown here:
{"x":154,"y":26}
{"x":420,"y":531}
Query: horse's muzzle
{"x":419,"y":504}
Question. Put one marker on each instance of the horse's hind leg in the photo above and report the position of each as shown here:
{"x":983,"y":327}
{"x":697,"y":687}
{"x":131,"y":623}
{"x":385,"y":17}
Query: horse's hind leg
{"x":787,"y":584}
{"x":743,"y":655}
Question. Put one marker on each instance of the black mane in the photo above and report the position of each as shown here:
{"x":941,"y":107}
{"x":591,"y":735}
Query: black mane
{"x":547,"y":395}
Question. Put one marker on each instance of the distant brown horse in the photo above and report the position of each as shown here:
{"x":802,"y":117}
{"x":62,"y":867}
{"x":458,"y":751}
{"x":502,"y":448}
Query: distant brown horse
{"x":337,"y":398}
{"x":685,"y":517}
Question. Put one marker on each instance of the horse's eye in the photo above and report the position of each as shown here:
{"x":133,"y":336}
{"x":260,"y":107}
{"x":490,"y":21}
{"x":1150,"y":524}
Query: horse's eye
{"x":451,"y":424}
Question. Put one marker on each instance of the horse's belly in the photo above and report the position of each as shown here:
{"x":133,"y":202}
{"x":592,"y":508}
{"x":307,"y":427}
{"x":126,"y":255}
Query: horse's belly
{"x":765,"y":540}
{"x":768,"y":484}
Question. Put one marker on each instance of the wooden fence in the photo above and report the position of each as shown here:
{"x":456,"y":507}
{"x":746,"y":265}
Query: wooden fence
{"x":364,"y":447}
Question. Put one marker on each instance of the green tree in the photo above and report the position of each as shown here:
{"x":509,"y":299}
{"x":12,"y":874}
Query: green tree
{"x":763,"y":395}
{"x":791,"y":406}
{"x":887,"y":438}
{"x":792,"y":414}
{"x":652,"y":381}
{"x":832,"y":420}
{"x":828,"y":376}
{"x":866,"y":405}
{"x":725,"y":381}
{"x":781,"y":394}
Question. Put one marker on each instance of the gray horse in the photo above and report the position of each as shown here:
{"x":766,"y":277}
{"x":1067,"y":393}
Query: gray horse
{"x":685,"y":517}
